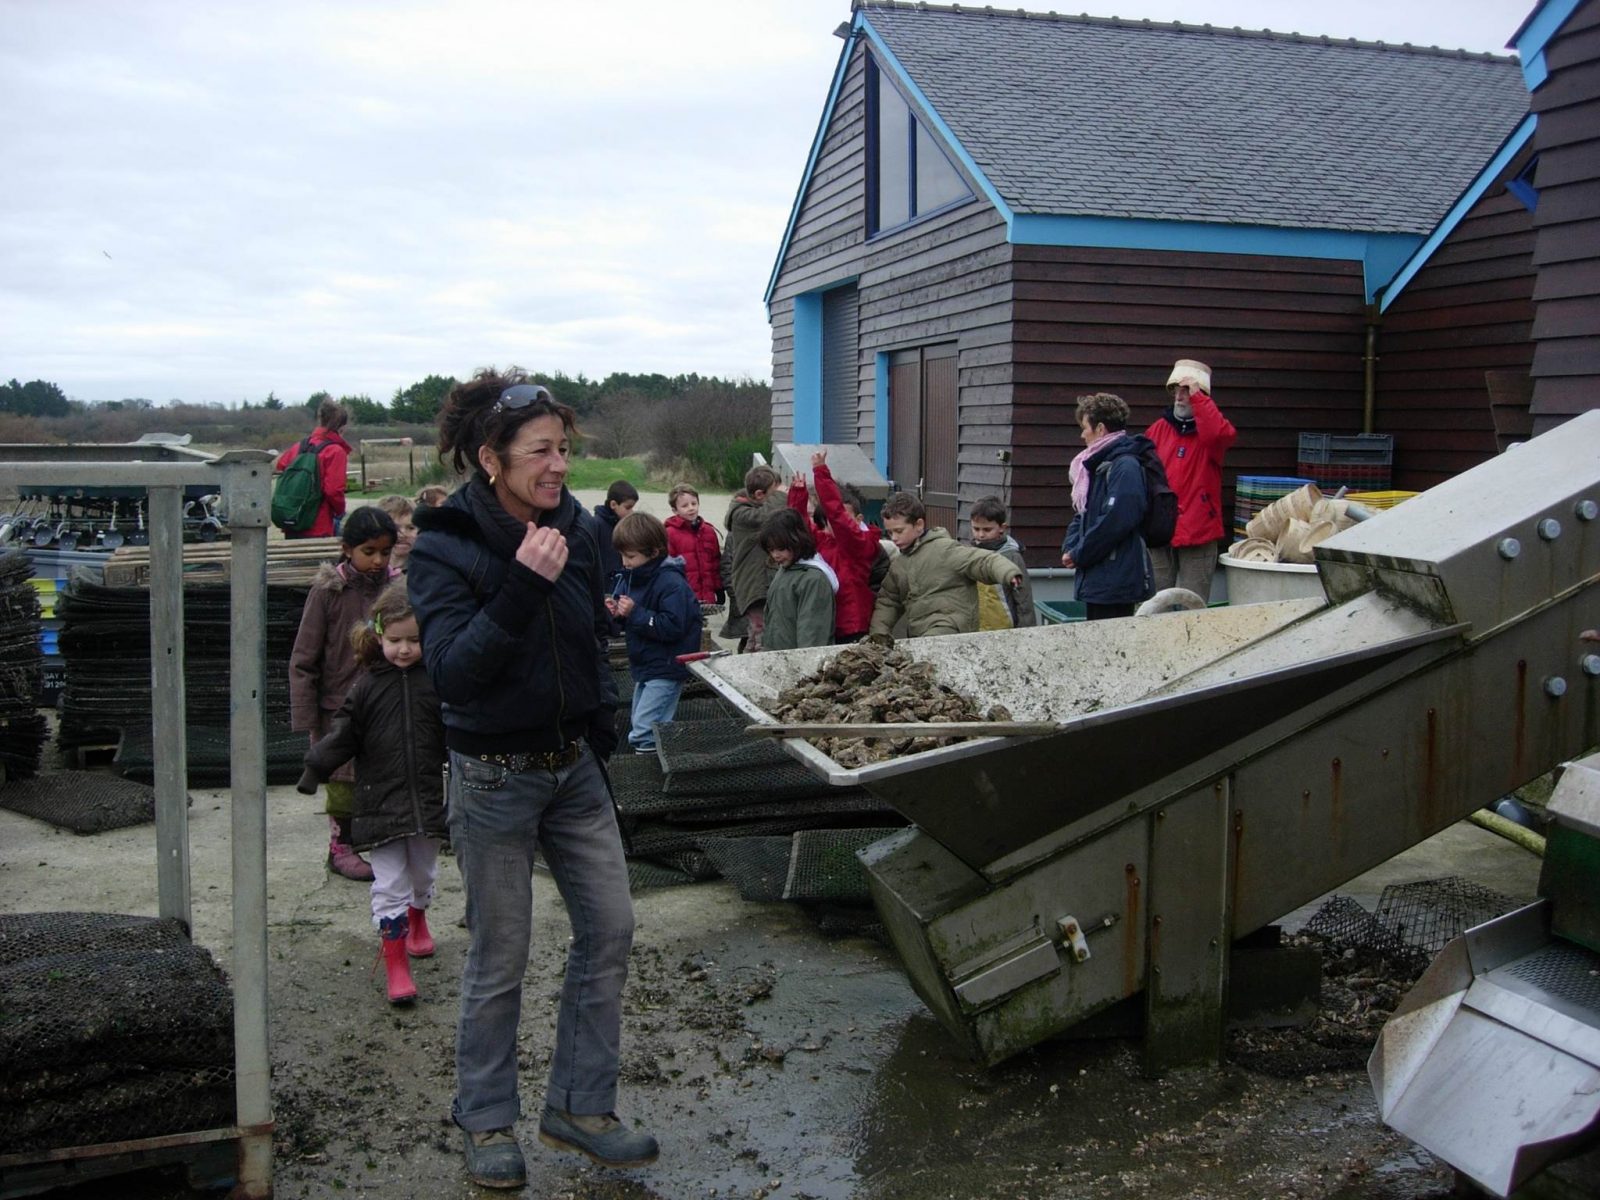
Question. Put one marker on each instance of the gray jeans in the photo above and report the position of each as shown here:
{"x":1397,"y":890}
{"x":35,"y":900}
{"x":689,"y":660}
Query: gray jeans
{"x":1185,"y":566}
{"x":496,"y":819}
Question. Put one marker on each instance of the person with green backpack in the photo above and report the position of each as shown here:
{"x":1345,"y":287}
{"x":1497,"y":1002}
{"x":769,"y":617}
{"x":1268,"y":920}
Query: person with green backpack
{"x":309,"y":497}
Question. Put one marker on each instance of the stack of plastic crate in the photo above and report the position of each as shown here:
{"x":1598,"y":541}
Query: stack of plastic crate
{"x":1358,"y":461}
{"x":1255,"y":492}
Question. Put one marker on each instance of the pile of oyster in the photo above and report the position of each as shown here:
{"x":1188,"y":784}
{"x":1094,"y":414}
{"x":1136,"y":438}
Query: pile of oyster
{"x":871,"y":683}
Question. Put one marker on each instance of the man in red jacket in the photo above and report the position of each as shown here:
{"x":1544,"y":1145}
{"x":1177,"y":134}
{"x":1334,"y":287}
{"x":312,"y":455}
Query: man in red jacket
{"x":1191,"y":437}
{"x":333,"y":458}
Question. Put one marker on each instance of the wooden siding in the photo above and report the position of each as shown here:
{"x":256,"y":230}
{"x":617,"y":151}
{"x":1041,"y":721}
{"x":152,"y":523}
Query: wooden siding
{"x":1461,"y":326}
{"x":1284,"y":338}
{"x":1566,"y":323}
{"x":938,"y":281}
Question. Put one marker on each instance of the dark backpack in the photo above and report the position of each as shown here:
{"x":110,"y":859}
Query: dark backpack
{"x":1160,"y":501}
{"x":298,"y":497}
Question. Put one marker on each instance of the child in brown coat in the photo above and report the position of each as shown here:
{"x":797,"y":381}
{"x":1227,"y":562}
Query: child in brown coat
{"x":322,"y":665}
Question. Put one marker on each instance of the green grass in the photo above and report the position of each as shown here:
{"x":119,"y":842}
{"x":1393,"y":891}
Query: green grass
{"x":584,"y":473}
{"x":601,"y":473}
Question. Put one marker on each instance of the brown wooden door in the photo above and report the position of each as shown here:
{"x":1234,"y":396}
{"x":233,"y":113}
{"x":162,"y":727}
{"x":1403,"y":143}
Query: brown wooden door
{"x":924,"y":428}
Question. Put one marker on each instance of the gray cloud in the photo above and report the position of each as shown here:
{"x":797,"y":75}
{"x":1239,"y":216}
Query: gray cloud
{"x":214,"y":201}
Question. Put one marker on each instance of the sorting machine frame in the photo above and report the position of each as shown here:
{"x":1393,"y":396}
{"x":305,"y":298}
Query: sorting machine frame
{"x":1210,"y":771}
{"x":245,"y":481}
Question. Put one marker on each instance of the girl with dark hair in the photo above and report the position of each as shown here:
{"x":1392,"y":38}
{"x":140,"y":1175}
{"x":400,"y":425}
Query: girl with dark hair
{"x":333,"y":460}
{"x":800,"y":596}
{"x":505,"y":578}
{"x":389,"y":726}
{"x":322,"y":665}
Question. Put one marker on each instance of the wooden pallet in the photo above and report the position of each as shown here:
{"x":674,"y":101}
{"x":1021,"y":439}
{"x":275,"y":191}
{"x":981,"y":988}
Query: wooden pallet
{"x":288,"y":562}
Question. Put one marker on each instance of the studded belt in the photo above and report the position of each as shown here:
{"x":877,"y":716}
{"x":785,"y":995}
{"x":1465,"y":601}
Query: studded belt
{"x":551,"y":760}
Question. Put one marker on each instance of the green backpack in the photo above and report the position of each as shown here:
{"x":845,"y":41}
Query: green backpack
{"x":298,"y":497}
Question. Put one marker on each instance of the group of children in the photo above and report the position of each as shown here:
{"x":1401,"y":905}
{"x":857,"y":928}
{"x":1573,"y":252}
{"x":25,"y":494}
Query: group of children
{"x":792,"y":574}
{"x":795,"y":574}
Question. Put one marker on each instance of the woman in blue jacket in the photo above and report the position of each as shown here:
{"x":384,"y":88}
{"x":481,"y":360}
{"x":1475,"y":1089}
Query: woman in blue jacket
{"x":1103,"y":543}
{"x":505,"y":581}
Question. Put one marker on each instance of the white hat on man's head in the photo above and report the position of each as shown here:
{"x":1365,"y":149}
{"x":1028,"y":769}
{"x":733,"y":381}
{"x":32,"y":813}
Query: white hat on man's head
{"x":1192,"y":372}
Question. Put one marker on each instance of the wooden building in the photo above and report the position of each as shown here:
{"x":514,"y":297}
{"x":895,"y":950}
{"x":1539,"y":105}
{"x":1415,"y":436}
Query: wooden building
{"x":1004,"y":210}
{"x":1560,"y":49}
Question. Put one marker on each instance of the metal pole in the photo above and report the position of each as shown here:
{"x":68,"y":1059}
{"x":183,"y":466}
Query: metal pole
{"x":168,"y":703}
{"x":248,"y":486}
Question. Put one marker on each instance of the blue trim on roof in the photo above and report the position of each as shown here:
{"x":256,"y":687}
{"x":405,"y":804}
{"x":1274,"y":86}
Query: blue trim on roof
{"x":880,"y":412}
{"x":1379,"y":253}
{"x":811,"y":164}
{"x":1475,"y":191}
{"x":808,"y":368}
{"x":1530,"y":40}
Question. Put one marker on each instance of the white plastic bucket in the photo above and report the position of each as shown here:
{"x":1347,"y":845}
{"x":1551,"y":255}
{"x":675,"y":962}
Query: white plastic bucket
{"x":1260,"y":582}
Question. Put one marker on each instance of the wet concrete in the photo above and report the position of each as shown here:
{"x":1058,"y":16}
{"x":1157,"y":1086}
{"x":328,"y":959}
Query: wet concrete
{"x":770,"y":1060}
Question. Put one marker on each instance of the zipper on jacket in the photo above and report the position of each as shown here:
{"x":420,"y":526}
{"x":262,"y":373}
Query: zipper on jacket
{"x":411,"y":749}
{"x":561,"y":691}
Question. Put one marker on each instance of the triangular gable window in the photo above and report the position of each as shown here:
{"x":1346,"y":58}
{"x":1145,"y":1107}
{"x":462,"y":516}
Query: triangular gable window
{"x":908,"y":175}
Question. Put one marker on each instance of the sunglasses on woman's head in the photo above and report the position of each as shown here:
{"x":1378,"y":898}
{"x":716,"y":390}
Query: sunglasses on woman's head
{"x":522,"y":395}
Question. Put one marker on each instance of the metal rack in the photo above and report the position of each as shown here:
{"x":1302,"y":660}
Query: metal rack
{"x":244,"y":480}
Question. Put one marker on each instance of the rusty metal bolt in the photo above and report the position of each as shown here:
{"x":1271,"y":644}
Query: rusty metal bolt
{"x":1590,"y":665}
{"x":1555,"y":686}
{"x":1509,"y":548}
{"x":1549,"y":529}
{"x":1586,"y":510}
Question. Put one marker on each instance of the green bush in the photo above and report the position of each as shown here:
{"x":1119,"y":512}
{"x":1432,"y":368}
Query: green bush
{"x":723,"y":464}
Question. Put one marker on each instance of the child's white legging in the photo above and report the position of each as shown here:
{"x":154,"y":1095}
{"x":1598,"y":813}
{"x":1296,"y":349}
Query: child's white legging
{"x":403,"y":874}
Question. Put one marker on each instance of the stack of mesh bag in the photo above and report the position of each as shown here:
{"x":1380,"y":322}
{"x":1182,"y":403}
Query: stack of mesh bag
{"x":105,"y":644}
{"x":115,"y":1028}
{"x":22,"y":727}
{"x":713,"y":801}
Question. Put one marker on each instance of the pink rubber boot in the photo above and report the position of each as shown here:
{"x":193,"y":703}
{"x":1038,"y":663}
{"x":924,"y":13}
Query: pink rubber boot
{"x":419,"y":942}
{"x":396,"y":966}
{"x":342,"y":858}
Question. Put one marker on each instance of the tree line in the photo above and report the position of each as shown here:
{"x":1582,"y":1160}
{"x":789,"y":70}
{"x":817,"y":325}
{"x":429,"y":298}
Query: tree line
{"x":418,"y":403}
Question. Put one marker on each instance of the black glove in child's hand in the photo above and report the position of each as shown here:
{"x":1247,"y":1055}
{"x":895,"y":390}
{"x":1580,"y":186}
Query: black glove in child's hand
{"x":307,"y":783}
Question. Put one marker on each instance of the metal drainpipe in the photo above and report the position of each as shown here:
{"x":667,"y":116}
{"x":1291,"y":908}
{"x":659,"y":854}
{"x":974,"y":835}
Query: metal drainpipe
{"x":1369,"y":361}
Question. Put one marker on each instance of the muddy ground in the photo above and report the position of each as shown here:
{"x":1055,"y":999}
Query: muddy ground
{"x":771,"y":1060}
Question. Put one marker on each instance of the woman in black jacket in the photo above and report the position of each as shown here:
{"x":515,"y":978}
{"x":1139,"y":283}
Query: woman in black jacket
{"x":505,"y":577}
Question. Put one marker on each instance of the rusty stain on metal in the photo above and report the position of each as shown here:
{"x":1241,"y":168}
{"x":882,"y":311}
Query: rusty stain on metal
{"x":1520,"y":723}
{"x":1130,"y":930}
{"x":1430,"y":767}
{"x":1238,"y":858}
{"x":1336,"y":795}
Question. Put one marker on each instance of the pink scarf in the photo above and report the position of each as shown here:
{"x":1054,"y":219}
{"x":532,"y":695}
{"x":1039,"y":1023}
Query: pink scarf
{"x":1078,"y":472}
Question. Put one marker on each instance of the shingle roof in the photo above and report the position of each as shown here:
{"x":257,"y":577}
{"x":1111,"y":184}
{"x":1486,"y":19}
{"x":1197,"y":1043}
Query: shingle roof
{"x":1108,"y":117}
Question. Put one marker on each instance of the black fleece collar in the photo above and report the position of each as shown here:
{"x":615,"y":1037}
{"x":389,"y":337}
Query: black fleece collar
{"x":1184,"y":427}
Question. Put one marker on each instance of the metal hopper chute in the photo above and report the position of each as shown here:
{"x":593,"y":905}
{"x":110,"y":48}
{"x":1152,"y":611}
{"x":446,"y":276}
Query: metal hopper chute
{"x":1209,"y":771}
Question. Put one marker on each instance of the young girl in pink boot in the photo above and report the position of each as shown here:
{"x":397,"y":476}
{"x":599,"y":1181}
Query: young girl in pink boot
{"x":390,"y":725}
{"x":322,"y":667}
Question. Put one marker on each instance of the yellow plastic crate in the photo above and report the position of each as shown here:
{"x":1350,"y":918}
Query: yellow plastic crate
{"x":1378,"y":499}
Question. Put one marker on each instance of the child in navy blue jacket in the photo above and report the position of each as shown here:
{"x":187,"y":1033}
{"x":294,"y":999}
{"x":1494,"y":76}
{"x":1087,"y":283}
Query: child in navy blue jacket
{"x":661,"y":616}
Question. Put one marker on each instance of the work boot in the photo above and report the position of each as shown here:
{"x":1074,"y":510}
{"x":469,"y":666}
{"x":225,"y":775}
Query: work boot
{"x":601,"y":1137}
{"x":342,"y":858}
{"x":396,"y":966}
{"x":494,"y":1159}
{"x":419,"y":942}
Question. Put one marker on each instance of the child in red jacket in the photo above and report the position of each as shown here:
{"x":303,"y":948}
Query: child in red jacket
{"x":694,"y":539}
{"x":847,"y":544}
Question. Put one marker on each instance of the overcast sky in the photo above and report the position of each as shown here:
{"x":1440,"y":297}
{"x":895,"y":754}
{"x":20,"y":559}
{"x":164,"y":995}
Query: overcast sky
{"x":211,"y":201}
